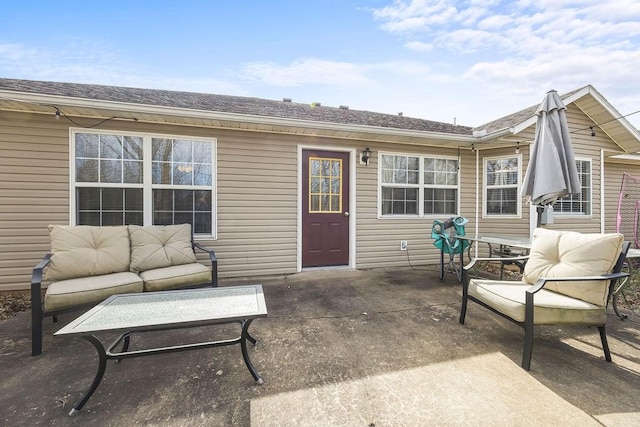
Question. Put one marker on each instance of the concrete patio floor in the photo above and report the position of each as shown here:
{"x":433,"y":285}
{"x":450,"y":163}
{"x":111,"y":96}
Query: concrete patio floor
{"x":370,"y":348}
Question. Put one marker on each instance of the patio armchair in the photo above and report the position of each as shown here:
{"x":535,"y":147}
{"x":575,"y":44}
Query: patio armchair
{"x":568,"y":280}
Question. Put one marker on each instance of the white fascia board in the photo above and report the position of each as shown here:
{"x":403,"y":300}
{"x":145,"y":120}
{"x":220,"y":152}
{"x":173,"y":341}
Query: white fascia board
{"x":61,"y":101}
{"x":524,"y":125}
{"x":623,"y":158}
{"x":615,"y":114}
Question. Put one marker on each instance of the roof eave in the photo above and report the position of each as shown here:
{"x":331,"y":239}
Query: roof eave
{"x":64,"y":101}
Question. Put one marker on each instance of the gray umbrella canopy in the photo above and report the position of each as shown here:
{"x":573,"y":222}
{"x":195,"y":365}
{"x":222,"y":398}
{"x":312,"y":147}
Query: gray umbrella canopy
{"x":552,"y":172}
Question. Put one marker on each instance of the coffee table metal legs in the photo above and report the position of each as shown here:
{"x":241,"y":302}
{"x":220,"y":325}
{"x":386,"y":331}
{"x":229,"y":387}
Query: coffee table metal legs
{"x":245,"y":354}
{"x":102,"y":365}
{"x":104,"y":355}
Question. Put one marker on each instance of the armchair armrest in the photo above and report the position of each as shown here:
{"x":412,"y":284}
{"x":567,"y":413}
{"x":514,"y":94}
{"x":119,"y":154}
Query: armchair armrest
{"x":36,"y":276}
{"x":214,"y":262}
{"x":544,"y":280}
{"x":212,"y":254}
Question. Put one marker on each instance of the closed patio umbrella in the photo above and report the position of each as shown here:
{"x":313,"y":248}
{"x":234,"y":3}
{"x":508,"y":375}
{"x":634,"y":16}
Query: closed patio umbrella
{"x":552,"y":172}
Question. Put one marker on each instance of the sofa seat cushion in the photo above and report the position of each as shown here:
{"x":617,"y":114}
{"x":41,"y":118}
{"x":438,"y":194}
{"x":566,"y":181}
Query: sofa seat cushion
{"x":176,"y":276}
{"x":89,"y":290}
{"x":160,"y":246}
{"x":570,"y":254}
{"x":81,"y":251}
{"x":509,"y":297}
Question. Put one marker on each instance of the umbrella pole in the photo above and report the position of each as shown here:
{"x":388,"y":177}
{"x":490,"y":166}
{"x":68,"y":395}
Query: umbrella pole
{"x":539,"y":209}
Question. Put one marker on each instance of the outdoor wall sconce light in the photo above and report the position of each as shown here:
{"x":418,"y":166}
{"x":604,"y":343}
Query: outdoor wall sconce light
{"x":366,"y":155}
{"x":57,"y":114}
{"x":518,"y":147}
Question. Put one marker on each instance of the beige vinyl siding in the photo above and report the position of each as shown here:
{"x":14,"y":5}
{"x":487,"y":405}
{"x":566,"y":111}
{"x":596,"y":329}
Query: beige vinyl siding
{"x":613,"y":180}
{"x":378,"y":239}
{"x":257,"y":204}
{"x":256,"y":194}
{"x":585,"y":147}
{"x":34,"y":191}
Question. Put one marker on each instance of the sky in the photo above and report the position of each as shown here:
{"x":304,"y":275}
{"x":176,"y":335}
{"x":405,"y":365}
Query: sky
{"x":465,"y":62}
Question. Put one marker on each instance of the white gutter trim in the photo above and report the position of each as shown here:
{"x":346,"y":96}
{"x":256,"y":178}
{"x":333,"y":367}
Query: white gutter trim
{"x":62,"y":101}
{"x":495,"y":135}
{"x":475,"y":254}
{"x":602,"y":180}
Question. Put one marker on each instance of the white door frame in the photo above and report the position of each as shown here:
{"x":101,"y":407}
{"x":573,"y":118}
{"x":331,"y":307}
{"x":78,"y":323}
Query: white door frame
{"x":352,"y":200}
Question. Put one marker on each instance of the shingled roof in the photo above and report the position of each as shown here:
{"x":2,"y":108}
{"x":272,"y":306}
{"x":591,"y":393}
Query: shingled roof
{"x":230,"y":104}
{"x":516,"y":118}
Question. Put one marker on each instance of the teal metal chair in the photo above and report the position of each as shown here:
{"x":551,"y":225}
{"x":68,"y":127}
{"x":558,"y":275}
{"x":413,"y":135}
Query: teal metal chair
{"x":446,"y":235}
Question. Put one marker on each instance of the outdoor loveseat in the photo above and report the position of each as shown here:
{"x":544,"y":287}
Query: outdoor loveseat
{"x":87,"y":264}
{"x":568,"y":280}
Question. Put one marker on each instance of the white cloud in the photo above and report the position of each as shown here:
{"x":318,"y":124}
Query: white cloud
{"x":405,"y":16}
{"x":516,"y":49}
{"x":307,"y":71}
{"x":494,"y":22}
{"x":419,"y":46}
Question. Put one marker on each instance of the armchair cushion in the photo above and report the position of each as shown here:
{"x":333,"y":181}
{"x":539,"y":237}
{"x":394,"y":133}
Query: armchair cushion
{"x":160,"y":246}
{"x":556,"y":254}
{"x":508,"y":297}
{"x":85,"y":251}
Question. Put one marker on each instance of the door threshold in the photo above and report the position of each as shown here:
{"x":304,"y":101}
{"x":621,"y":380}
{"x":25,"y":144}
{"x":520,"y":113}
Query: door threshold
{"x":326,"y":268}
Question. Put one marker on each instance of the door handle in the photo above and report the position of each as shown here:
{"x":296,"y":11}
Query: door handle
{"x":346,"y":214}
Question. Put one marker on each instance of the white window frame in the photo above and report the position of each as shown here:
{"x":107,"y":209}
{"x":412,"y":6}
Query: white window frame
{"x":581,"y":214}
{"x":147,"y":180}
{"x":517,"y":186}
{"x":420,"y":186}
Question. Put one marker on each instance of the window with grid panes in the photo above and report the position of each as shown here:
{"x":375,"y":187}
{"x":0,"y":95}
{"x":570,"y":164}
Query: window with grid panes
{"x":418,"y":185}
{"x":578,"y":204}
{"x":501,"y":186}
{"x":114,"y":172}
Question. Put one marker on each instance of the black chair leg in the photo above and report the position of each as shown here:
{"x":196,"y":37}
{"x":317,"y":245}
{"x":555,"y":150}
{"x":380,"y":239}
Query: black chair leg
{"x":528,"y":346}
{"x":463,"y":309}
{"x":36,"y":320}
{"x":36,"y":332}
{"x":605,"y":344}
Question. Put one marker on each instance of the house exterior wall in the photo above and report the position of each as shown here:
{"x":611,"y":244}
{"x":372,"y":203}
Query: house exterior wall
{"x":585,"y":147}
{"x":257,"y":194}
{"x":257,"y":200}
{"x":378,"y":238}
{"x":34,"y":191}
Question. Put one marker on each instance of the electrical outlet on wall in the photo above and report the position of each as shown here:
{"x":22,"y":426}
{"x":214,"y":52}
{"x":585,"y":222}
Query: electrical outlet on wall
{"x":403,"y":245}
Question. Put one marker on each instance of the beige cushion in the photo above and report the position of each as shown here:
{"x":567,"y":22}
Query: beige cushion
{"x":89,"y":290}
{"x":175,"y":277}
{"x":160,"y":246}
{"x":508,"y":297}
{"x":570,"y":254}
{"x":81,"y":251}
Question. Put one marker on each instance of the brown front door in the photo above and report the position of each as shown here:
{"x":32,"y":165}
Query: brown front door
{"x":325,"y":208}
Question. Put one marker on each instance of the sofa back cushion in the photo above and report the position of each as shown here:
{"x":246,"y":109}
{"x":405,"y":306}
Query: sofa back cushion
{"x":160,"y":246}
{"x":571,"y":254}
{"x":83,"y":250}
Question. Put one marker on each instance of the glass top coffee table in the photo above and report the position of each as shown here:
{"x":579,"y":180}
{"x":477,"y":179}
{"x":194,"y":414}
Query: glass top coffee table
{"x":160,"y":311}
